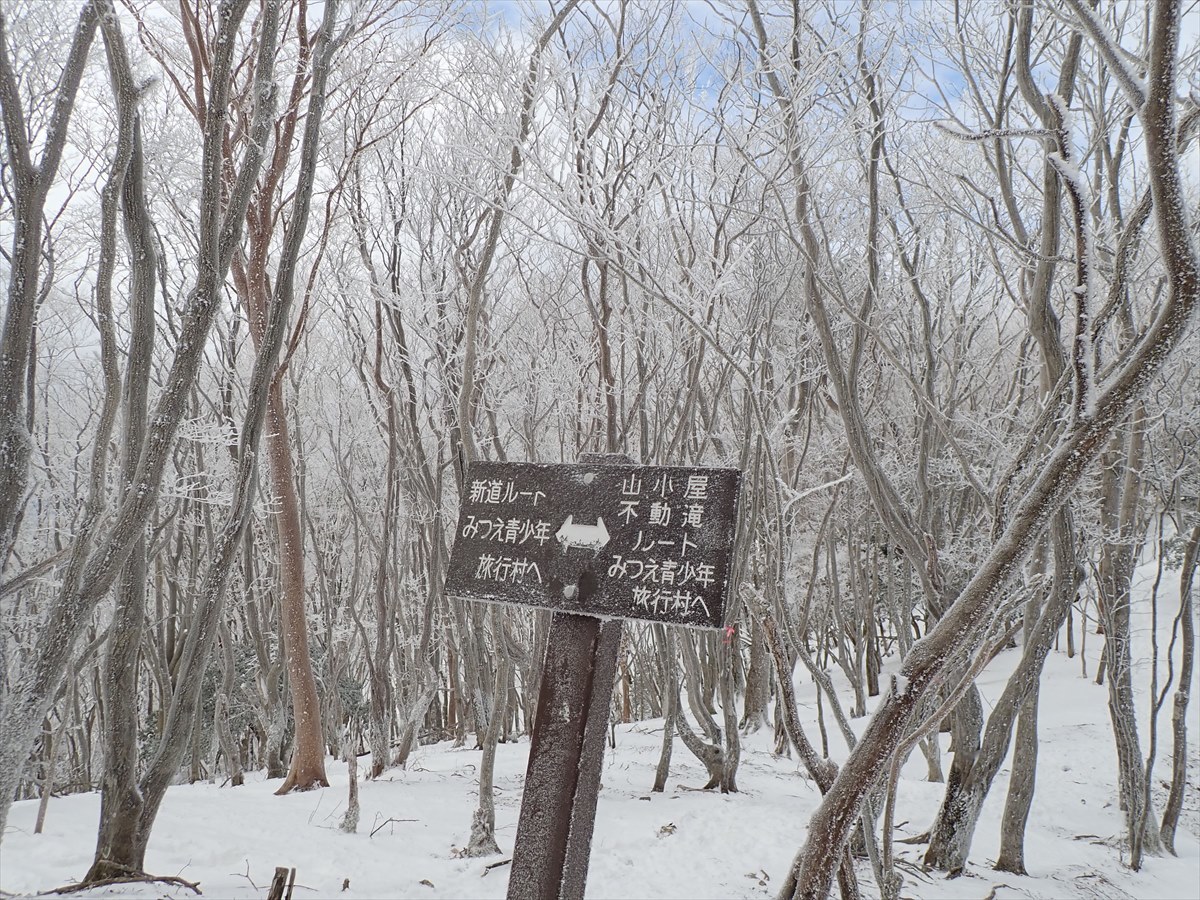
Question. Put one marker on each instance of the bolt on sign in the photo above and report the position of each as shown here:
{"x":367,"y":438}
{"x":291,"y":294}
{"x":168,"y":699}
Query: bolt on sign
{"x":608,"y":540}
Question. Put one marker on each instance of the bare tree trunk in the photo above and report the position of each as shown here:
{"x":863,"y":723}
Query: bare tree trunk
{"x":712,"y":756}
{"x":665,"y":641}
{"x":50,"y":743}
{"x":1170,"y":819}
{"x":1116,"y":577}
{"x":483,"y":822}
{"x":120,"y":799}
{"x":276,"y":724}
{"x":227,"y":741}
{"x":1020,"y":788}
{"x":380,"y":727}
{"x":307,"y":769}
{"x":758,"y":682}
{"x":710,"y":752}
{"x":733,"y":749}
{"x":966,"y":723}
{"x":349,"y":822}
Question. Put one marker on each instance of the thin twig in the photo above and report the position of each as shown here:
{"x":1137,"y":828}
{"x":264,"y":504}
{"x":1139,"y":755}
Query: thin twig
{"x":385,"y":821}
{"x":247,"y":876}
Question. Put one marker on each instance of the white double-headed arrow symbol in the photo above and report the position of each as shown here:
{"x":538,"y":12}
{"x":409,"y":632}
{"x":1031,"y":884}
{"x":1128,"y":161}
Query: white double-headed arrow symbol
{"x":591,"y":537}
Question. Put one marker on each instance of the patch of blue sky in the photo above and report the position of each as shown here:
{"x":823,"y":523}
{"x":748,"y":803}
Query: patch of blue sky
{"x":513,"y":14}
{"x":695,"y":24}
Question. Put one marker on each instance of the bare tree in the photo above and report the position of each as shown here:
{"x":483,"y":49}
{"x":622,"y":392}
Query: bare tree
{"x":120,"y":685}
{"x":1098,"y":409}
{"x":92,"y":570}
{"x":132,"y":807}
{"x":31,"y":182}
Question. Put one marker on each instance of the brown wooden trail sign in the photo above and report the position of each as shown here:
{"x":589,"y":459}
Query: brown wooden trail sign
{"x":598,"y":542}
{"x":610,"y":540}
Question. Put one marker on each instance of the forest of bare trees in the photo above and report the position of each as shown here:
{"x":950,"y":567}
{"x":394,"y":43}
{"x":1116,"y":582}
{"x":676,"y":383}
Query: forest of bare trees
{"x":278,"y":272}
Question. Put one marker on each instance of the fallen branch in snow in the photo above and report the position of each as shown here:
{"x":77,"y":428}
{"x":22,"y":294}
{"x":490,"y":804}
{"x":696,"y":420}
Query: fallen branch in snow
{"x":385,"y":821}
{"x":495,"y":865}
{"x":921,"y":873}
{"x":130,"y":879}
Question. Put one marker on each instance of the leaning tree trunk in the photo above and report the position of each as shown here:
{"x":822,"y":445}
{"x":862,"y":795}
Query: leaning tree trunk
{"x":966,"y":725}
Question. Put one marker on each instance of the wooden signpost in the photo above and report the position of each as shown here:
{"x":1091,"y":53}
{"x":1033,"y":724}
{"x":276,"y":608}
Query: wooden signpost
{"x":598,"y":542}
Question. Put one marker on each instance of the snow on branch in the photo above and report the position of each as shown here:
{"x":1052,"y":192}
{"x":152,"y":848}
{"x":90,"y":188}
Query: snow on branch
{"x":1115,"y":55}
{"x":1082,"y":356}
{"x":992,"y":133}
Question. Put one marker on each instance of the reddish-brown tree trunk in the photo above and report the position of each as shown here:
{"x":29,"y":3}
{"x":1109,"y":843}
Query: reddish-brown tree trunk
{"x":308,"y":758}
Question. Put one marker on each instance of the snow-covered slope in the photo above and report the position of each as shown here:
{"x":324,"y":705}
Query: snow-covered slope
{"x":684,"y":843}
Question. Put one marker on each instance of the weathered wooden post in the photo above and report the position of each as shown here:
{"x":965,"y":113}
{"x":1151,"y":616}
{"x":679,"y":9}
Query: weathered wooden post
{"x":562,"y":781}
{"x":597,"y":542}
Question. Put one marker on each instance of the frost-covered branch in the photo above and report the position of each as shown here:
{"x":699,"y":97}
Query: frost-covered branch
{"x":1082,"y":355}
{"x":1131,"y":82}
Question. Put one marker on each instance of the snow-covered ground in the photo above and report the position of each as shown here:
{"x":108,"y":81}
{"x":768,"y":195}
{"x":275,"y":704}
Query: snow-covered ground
{"x":684,"y":843}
